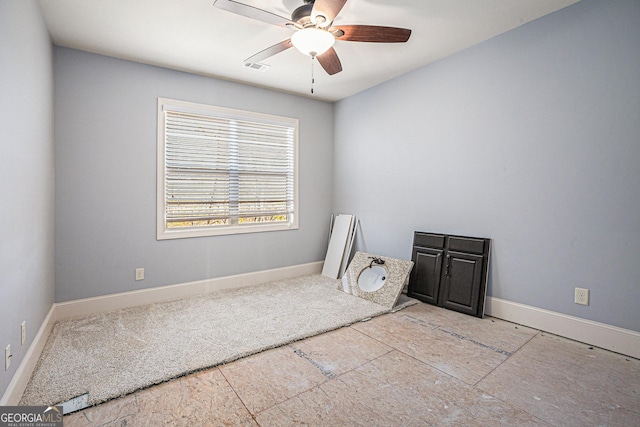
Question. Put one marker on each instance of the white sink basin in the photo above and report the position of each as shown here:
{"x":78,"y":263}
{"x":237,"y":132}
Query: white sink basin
{"x":372,"y":278}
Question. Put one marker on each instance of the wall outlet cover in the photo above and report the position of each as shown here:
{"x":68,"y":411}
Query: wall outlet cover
{"x":7,"y":357}
{"x":139,"y":273}
{"x":23,"y":332}
{"x":582,"y":296}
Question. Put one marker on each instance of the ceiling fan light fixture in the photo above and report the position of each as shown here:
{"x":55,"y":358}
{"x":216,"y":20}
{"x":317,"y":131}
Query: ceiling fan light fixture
{"x":313,"y":41}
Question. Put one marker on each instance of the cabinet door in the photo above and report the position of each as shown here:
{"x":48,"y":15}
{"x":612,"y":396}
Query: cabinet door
{"x":424,"y":282}
{"x":461,"y":282}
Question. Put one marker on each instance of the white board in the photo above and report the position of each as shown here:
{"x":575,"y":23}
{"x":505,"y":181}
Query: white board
{"x":350,"y":240}
{"x":342,"y":229}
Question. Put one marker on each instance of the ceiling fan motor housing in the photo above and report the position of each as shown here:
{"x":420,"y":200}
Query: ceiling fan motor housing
{"x":302,"y":15}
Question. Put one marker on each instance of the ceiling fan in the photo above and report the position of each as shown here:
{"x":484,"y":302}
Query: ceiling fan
{"x":315,"y":34}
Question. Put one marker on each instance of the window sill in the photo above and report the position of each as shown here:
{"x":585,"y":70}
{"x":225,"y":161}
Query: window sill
{"x":167,"y":234}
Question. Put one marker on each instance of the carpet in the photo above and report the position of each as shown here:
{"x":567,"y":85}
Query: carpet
{"x":112,"y":354}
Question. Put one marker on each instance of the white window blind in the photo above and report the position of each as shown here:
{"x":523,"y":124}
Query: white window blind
{"x":226,"y":171}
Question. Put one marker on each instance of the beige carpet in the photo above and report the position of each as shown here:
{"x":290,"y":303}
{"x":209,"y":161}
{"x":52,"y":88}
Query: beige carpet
{"x":112,"y":354}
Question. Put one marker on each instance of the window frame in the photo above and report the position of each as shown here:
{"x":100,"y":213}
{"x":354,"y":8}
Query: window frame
{"x":162,"y":231}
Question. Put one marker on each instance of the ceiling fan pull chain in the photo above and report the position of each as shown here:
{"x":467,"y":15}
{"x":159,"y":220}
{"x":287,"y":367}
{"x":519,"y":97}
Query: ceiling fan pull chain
{"x":313,"y":79}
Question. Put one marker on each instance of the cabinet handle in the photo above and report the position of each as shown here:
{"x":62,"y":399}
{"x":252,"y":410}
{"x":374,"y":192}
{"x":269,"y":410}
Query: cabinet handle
{"x":446,"y":273}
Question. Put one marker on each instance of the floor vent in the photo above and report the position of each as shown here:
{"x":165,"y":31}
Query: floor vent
{"x":75,"y":404}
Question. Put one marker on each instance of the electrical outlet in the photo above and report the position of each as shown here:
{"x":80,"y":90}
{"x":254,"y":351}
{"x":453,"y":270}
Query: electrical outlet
{"x":7,"y":357}
{"x":582,"y":296}
{"x":139,"y":273}
{"x":23,"y":332}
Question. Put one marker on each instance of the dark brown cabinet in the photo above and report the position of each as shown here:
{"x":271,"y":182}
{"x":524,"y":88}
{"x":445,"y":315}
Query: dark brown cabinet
{"x":450,"y":271}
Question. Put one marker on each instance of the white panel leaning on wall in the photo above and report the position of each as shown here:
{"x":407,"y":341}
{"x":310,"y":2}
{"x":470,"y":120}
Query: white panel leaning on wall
{"x":343,"y":231}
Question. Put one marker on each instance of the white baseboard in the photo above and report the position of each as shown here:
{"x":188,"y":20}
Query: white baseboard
{"x":601,"y":335}
{"x":81,"y":307}
{"x":14,"y":391}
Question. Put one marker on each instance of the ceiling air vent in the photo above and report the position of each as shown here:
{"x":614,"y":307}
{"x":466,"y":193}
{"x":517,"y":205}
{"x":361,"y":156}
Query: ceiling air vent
{"x":257,"y":66}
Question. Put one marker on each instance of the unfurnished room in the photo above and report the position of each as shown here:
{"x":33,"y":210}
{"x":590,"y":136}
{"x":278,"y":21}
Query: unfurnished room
{"x":320,"y":213}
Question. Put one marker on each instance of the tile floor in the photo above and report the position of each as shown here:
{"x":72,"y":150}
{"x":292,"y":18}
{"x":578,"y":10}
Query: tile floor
{"x":421,"y":366}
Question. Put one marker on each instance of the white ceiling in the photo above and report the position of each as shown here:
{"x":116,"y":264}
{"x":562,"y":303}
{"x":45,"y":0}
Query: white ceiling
{"x":196,"y":37}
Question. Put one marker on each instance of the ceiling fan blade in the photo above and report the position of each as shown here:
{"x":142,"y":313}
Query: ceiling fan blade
{"x":251,"y":12}
{"x":371,"y":33}
{"x":330,"y":62}
{"x":269,"y":52}
{"x":327,"y":8}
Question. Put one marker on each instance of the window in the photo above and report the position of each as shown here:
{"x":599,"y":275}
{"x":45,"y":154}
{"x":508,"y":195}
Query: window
{"x":223,"y":171}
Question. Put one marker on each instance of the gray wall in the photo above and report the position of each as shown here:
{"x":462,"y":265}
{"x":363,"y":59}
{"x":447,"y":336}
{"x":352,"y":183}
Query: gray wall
{"x":106,"y":179}
{"x":532,"y":139}
{"x":27,"y":174}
